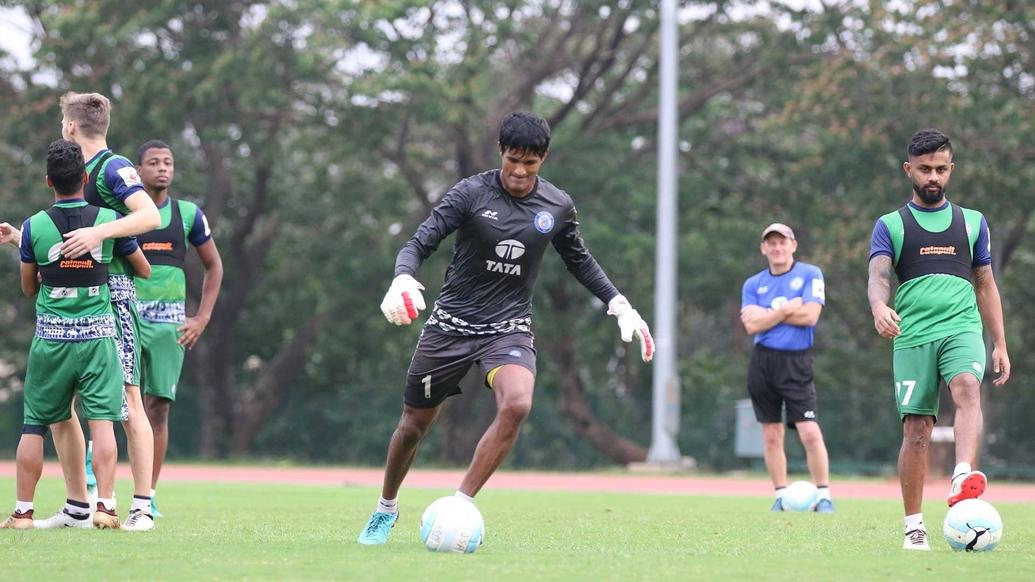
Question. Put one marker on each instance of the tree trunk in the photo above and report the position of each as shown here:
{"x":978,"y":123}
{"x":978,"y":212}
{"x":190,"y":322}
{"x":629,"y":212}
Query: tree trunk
{"x":574,"y":405}
{"x":255,"y":406}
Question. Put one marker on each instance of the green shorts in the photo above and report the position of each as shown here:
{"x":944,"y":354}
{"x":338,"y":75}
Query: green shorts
{"x":58,"y":370}
{"x":161,"y":358}
{"x":127,"y":329}
{"x":918,"y":370}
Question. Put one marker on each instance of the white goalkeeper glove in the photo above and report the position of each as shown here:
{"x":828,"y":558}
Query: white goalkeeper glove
{"x":630,"y":322}
{"x":403,"y":301}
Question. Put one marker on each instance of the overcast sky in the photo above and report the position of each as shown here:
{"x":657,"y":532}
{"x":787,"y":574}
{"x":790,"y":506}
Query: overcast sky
{"x":15,"y":34}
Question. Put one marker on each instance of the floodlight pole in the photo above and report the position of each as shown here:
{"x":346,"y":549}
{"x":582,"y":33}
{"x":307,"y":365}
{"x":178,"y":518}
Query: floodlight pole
{"x":665,"y":410}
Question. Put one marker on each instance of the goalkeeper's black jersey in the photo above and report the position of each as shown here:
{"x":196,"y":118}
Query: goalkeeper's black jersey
{"x":499,"y":247}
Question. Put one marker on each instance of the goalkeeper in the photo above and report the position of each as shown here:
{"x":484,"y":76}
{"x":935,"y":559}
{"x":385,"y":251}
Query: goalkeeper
{"x":505,"y":219}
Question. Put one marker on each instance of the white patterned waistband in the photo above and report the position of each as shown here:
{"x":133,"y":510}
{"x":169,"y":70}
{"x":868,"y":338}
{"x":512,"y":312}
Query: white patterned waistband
{"x":74,"y":329}
{"x":122,"y":287}
{"x":162,"y":311}
{"x":450,"y":324}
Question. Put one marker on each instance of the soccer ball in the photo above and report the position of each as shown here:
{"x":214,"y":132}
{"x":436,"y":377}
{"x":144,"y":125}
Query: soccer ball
{"x":973,"y":525}
{"x":800,"y":496}
{"x":452,"y":524}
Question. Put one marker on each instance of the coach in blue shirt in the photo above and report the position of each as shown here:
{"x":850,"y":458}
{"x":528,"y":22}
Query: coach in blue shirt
{"x":780,"y":306}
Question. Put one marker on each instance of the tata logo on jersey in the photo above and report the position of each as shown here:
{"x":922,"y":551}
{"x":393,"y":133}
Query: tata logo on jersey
{"x":509,"y":250}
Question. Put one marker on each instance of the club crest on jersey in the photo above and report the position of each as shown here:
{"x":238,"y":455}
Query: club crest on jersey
{"x":797,"y":282}
{"x":511,"y":250}
{"x":543,"y":222}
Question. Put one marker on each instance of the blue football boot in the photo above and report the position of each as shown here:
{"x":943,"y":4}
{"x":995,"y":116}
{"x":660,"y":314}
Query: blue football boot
{"x":824,"y":506}
{"x":378,"y":529}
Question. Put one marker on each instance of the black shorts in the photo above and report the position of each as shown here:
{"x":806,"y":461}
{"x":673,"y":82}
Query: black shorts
{"x":442,"y":360}
{"x":778,"y":377}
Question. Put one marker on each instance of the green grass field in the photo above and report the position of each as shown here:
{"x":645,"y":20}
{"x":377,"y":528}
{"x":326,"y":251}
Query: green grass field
{"x":230,"y":531}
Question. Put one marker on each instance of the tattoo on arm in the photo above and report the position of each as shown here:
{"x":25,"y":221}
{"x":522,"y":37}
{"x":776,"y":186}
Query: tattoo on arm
{"x":878,"y":289}
{"x":982,"y":275}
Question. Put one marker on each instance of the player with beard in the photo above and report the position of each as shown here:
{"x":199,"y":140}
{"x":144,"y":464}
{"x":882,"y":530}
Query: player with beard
{"x":941,"y":254}
{"x":505,"y":220}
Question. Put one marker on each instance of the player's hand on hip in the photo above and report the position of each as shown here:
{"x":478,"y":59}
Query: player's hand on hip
{"x":885,"y":321}
{"x":403,"y":302}
{"x":1000,"y":365}
{"x":81,"y":241}
{"x":191,"y":330}
{"x":631,"y":324}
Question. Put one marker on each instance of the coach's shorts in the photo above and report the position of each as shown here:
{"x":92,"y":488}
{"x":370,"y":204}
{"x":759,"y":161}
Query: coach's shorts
{"x":441,"y":361}
{"x":58,"y":370}
{"x":918,"y":370}
{"x":782,"y":377}
{"x":161,"y":359}
{"x":127,"y":334}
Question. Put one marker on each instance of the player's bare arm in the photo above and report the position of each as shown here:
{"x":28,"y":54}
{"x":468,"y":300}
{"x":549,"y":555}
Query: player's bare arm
{"x":991,"y":308}
{"x":141,"y":267}
{"x":143,"y":217}
{"x":878,"y":290}
{"x":193,"y":327}
{"x":757,"y":319}
{"x":30,"y":279}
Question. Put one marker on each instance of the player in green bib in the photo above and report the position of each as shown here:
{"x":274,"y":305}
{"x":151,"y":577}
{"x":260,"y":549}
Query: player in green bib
{"x":113,"y":183}
{"x":73,"y":351}
{"x":941,"y":255}
{"x":165,"y":329}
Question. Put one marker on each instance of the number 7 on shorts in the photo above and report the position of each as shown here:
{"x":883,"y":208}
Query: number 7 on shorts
{"x":909,"y":385}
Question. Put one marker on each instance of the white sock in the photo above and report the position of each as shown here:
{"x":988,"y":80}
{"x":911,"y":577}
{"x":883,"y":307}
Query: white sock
{"x":77,"y":509}
{"x":109,"y":504}
{"x":23,"y":506}
{"x":152,"y":493}
{"x":140,"y":504}
{"x":824,"y":492}
{"x":464,"y":496}
{"x":388,"y":505}
{"x":778,"y":492}
{"x":961,"y":469}
{"x":915,"y":521}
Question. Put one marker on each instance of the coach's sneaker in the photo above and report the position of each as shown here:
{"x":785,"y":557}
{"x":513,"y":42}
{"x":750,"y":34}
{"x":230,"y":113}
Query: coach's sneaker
{"x":104,"y":518}
{"x":138,"y":521}
{"x":63,"y":519}
{"x":18,"y":520}
{"x":967,"y":486}
{"x":91,"y":479}
{"x":378,"y":529}
{"x":777,"y":505}
{"x":154,"y":509}
{"x":824,"y":506}
{"x":916,"y":539}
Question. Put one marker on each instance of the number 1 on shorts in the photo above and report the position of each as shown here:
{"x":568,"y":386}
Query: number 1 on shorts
{"x":909,"y":384}
{"x":426,"y":380}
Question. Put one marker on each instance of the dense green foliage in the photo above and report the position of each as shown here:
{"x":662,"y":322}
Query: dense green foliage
{"x":220,"y":531}
{"x":318,"y":134}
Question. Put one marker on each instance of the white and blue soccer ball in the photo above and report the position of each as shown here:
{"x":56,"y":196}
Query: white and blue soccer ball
{"x":973,"y":525}
{"x":800,"y":496}
{"x":452,"y":524}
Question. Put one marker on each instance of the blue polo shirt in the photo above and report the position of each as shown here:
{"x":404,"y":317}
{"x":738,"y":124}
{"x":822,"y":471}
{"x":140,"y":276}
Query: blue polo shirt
{"x":771,"y":291}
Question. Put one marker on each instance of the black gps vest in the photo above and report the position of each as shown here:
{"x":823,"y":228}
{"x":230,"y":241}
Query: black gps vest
{"x":166,"y":246}
{"x":928,"y":253}
{"x":81,"y":271}
{"x":90,"y":193}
